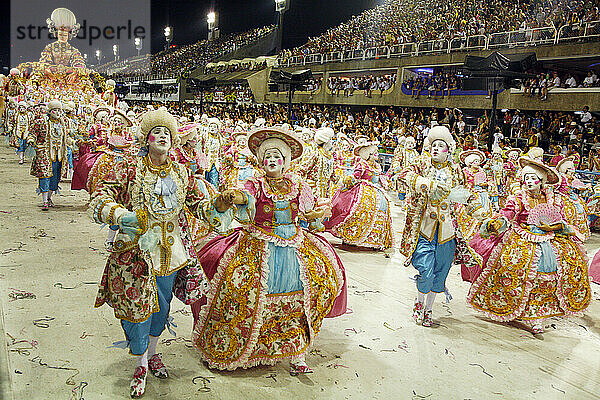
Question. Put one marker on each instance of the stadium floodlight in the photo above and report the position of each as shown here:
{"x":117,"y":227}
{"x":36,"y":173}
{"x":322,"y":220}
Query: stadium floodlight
{"x":213,"y":25}
{"x":211,"y":17}
{"x":138,"y":44}
{"x":168,"y":35}
{"x":98,"y":55}
{"x":281,"y":6}
{"x":116,"y":51}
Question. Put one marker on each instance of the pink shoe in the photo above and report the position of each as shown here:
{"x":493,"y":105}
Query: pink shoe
{"x":427,"y":320}
{"x":45,"y":206}
{"x":418,"y":312}
{"x":297,"y":369}
{"x":138,"y":383}
{"x":537,"y":329}
{"x":156,"y":366}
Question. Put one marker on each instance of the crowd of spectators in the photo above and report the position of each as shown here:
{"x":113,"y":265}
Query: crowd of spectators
{"x":174,"y":61}
{"x":398,"y":22}
{"x":544,"y":82}
{"x":568,"y":131}
{"x":347,"y":85}
{"x":439,"y":83}
{"x":235,"y":67}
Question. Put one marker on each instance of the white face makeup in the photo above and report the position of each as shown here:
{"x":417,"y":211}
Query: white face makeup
{"x":192,"y":140}
{"x":62,"y":35}
{"x":513,"y":155}
{"x":242,"y":141}
{"x":306,"y":137}
{"x":568,"y":168}
{"x":409,"y":144}
{"x":118,"y":123}
{"x":345,"y":145}
{"x":212,"y":128}
{"x":532,"y":181}
{"x":439,"y":151}
{"x":55,"y":113}
{"x":273,"y":163}
{"x":159,"y":140}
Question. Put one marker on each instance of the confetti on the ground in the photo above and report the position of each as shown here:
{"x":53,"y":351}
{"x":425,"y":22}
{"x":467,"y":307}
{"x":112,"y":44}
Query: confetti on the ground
{"x":38,"y":360}
{"x":272,"y":376}
{"x":204,"y":380}
{"x":385,"y":324}
{"x":11,"y":249}
{"x":43,"y":322}
{"x":61,"y":286}
{"x":555,"y":388}
{"x":364,"y":347}
{"x":482,"y":369}
{"x":17,"y":294}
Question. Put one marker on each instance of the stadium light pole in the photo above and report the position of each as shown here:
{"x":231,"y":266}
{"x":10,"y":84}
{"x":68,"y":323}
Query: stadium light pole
{"x":211,"y":20}
{"x":281,"y":6}
{"x":98,"y":55}
{"x":168,"y":36}
{"x":116,"y":51}
{"x":138,"y":44}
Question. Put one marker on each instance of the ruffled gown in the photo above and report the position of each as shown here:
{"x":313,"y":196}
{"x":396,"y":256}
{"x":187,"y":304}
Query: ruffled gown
{"x":271,"y":281}
{"x":530,"y":274}
{"x":200,"y":231}
{"x":361,"y":214}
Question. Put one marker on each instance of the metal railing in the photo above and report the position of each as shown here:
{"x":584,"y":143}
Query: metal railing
{"x":468,"y":43}
{"x":520,"y":38}
{"x":586,"y":30}
{"x":433,"y":47}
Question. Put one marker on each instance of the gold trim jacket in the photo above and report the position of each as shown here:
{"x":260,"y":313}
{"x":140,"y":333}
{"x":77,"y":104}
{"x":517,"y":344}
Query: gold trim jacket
{"x":424,"y":215}
{"x":132,"y":185}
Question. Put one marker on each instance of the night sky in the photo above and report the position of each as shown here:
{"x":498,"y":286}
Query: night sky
{"x":305,"y":18}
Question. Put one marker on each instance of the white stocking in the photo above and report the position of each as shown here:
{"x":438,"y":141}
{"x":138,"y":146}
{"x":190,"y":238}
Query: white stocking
{"x":420,"y":297}
{"x":142,"y":361}
{"x":298,"y":359}
{"x":430,"y":300}
{"x":44,"y":197}
{"x":111,"y":238}
{"x":152,"y":345}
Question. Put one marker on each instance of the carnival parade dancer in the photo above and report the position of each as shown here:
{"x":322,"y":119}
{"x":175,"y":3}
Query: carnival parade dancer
{"x":19,"y":131}
{"x":405,"y":155}
{"x":187,"y":155}
{"x":89,"y":149}
{"x":152,"y":256}
{"x":48,"y":135}
{"x":239,"y":164}
{"x":212,"y":147}
{"x":360,"y":209}
{"x":511,"y":166}
{"x":272,"y":282}
{"x":439,"y":201}
{"x":318,"y":170}
{"x":534,"y":267}
{"x":495,"y":168}
{"x":475,"y":177}
{"x":575,"y":209}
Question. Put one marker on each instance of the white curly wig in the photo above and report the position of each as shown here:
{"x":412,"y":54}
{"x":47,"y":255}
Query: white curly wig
{"x":160,"y":117}
{"x":63,"y":18}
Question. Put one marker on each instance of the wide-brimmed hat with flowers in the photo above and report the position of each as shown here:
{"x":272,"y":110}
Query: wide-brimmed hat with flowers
{"x":259,"y":136}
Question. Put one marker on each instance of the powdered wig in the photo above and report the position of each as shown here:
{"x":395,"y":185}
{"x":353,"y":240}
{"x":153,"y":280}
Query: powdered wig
{"x":160,"y":117}
{"x":275,"y":143}
{"x":63,"y":18}
{"x":471,"y":158}
{"x":531,"y":169}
